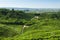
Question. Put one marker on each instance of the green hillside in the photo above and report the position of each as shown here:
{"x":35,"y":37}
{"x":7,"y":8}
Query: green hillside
{"x":18,"y":25}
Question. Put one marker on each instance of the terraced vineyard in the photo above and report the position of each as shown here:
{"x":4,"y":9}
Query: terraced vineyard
{"x":18,"y":25}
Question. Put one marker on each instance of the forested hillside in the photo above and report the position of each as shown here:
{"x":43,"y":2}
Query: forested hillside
{"x":19,"y":25}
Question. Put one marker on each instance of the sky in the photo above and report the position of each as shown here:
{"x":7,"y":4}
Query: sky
{"x":30,"y":3}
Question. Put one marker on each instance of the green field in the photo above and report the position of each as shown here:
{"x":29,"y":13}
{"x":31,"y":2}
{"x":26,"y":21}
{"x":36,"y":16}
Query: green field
{"x":18,"y":25}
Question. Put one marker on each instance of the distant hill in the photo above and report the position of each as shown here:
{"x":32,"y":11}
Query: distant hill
{"x":38,"y":10}
{"x":35,"y":9}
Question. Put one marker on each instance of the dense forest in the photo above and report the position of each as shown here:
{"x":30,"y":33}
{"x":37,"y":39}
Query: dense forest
{"x":19,"y":25}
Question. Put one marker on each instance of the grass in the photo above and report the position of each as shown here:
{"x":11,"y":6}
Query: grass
{"x":43,"y":28}
{"x":47,"y":30}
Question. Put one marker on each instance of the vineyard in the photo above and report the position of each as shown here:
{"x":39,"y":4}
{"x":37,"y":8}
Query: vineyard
{"x":18,"y":25}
